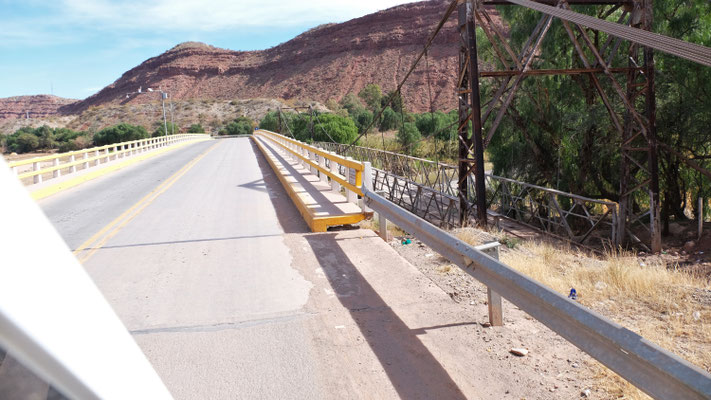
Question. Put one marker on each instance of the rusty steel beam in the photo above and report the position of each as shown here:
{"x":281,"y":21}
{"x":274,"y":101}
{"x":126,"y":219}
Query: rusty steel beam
{"x":553,"y":2}
{"x":517,"y":82}
{"x":470,"y":109}
{"x":540,"y":72}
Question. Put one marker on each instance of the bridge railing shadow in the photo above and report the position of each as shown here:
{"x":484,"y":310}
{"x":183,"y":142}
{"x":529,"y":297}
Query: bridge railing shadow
{"x":414,"y":372}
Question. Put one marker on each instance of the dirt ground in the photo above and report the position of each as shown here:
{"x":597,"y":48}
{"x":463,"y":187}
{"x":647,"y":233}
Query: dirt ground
{"x":565,"y":369}
{"x":552,"y":361}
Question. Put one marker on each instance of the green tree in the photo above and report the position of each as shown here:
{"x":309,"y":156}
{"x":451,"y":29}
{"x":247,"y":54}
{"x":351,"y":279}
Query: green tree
{"x":558,"y":132}
{"x":46,"y":137}
{"x":351,"y":103}
{"x":341,"y":129}
{"x":196,"y":128}
{"x":162,"y":127}
{"x":270,"y":122}
{"x":408,"y":136}
{"x":437,"y":123}
{"x":240,"y":126}
{"x":372,"y":95}
{"x":119,"y":133}
{"x":396,"y":103}
{"x":389,"y":120}
{"x":363,"y":118}
{"x":23,"y":142}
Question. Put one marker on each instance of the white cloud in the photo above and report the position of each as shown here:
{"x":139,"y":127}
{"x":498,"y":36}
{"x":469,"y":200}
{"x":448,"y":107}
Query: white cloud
{"x":200,"y":15}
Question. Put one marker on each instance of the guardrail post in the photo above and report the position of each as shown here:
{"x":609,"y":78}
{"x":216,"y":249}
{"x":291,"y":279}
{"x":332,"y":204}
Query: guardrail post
{"x":322,"y":164}
{"x":14,"y":171}
{"x":36,"y":167}
{"x":496,"y":311}
{"x":335,"y":186}
{"x":383,"y":227}
{"x":382,"y":220}
{"x":367,"y":178}
{"x":73,"y":168}
{"x":56,"y":173}
{"x":351,"y":178}
{"x":293,"y":148}
{"x":86,"y":163}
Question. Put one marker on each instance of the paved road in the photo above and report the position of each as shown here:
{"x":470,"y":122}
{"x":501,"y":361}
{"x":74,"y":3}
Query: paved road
{"x":200,"y":262}
{"x":210,"y":266}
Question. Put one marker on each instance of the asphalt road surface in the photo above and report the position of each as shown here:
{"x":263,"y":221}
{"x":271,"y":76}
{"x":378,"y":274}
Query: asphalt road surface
{"x":211,"y":268}
{"x":201,"y":276}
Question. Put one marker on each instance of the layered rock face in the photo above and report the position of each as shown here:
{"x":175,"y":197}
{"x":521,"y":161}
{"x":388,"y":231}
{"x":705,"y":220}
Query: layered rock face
{"x":324,"y":63}
{"x":39,"y":106}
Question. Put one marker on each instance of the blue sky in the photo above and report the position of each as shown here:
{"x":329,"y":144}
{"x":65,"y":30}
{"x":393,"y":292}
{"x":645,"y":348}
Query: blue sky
{"x":73,"y":48}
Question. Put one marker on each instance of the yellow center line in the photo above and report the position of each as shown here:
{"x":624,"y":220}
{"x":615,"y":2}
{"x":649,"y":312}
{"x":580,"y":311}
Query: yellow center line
{"x":95,"y":242}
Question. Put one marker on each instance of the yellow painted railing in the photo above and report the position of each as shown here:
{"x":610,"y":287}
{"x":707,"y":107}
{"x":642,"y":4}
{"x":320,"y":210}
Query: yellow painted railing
{"x":316,"y":158}
{"x":36,"y":167}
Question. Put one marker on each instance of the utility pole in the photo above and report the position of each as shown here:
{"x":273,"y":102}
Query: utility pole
{"x":172,"y":123}
{"x":311,"y":122}
{"x":163,"y":96}
{"x":279,"y":114}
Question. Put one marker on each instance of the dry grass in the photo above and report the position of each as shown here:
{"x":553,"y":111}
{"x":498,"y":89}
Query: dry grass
{"x":373,"y":224}
{"x":665,"y":305}
{"x":649,"y":297}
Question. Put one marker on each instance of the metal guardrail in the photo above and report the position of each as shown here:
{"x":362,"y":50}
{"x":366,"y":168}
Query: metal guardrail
{"x":70,"y":161}
{"x":564,"y":215}
{"x":656,"y":371}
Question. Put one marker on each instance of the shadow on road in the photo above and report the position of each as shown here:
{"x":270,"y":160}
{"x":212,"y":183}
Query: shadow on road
{"x":413,"y":370}
{"x":289,"y":217}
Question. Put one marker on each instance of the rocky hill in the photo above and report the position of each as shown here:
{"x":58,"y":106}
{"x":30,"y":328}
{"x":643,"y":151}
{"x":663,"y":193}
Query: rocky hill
{"x":323,"y":63}
{"x":39,"y":106}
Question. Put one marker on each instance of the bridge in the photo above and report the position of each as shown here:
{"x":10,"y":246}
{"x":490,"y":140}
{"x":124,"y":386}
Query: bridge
{"x":206,"y":252}
{"x":199,"y":268}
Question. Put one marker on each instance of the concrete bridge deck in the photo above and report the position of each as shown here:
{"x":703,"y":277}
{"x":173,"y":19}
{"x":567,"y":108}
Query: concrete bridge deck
{"x":210,"y":266}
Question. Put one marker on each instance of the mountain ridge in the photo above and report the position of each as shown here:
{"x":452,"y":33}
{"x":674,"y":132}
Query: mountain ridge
{"x":322,"y":63}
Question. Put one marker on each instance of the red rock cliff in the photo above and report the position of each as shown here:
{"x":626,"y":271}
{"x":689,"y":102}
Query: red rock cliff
{"x":325,"y":62}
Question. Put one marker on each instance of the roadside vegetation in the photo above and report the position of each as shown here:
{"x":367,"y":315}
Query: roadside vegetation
{"x":430,"y":135}
{"x":28,"y":139}
{"x":46,"y":139}
{"x":653,"y":296}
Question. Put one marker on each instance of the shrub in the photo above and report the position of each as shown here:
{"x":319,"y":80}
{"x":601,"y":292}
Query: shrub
{"x":390,"y":120}
{"x":351,"y":103}
{"x":28,"y":139}
{"x":363,"y":118}
{"x":435,"y":123}
{"x":23,"y":142}
{"x":341,"y":129}
{"x":408,"y":135}
{"x":119,"y":133}
{"x":270,"y":122}
{"x":240,"y":126}
{"x":46,"y":138}
{"x":371,"y":95}
{"x":196,"y":128}
{"x":161,"y":128}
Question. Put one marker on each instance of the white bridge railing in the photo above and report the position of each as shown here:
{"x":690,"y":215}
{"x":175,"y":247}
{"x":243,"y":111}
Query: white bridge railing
{"x":52,"y":166}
